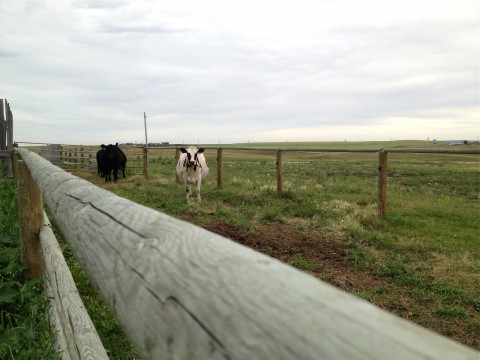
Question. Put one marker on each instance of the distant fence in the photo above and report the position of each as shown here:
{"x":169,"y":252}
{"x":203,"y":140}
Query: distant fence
{"x":180,"y":291}
{"x":80,"y":157}
{"x":84,"y":157}
{"x":278,"y":155}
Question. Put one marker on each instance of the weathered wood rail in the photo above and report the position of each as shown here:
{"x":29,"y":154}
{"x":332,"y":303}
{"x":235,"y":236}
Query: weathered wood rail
{"x":182,"y":292}
{"x":75,"y":334}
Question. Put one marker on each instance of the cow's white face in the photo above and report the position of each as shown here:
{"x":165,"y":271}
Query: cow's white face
{"x":192,"y":153}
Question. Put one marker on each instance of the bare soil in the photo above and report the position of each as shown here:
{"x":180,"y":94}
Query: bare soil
{"x":330,"y":257}
{"x":284,"y":242}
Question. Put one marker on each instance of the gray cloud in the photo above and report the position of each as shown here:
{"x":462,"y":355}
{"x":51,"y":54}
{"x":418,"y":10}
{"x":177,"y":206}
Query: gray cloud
{"x":193,"y":70}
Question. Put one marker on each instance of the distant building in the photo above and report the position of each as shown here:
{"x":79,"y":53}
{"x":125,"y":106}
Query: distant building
{"x":462,"y":142}
{"x":159,"y":144}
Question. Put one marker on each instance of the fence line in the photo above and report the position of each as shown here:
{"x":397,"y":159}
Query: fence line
{"x":81,"y":157}
{"x":180,"y":291}
{"x":382,"y":162}
{"x":66,"y":158}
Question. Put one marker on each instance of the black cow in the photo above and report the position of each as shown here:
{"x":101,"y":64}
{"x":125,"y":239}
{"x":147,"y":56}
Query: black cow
{"x":112,"y":158}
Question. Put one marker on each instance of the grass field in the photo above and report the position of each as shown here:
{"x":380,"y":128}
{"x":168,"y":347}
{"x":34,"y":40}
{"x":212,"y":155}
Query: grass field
{"x":420,"y":262}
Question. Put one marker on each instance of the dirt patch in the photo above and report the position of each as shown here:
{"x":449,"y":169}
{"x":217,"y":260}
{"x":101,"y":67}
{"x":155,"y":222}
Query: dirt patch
{"x":286,"y":241}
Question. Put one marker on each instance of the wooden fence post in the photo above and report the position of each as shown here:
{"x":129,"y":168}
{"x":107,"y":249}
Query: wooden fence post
{"x":9,"y":135}
{"x":15,"y":158}
{"x":177,"y":156}
{"x":30,"y":211}
{"x":382,"y":182}
{"x":3,"y":128}
{"x":145,"y":163}
{"x":90,"y":160}
{"x":279,"y":173}
{"x":219,"y":168}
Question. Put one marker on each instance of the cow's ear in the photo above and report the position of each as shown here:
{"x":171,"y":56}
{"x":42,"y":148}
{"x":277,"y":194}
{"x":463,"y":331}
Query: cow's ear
{"x":201,"y":150}
{"x":183,"y":150}
{"x":102,"y":146}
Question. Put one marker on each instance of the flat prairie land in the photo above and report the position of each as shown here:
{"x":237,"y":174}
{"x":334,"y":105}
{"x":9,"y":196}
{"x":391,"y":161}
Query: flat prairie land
{"x":421,"y":261}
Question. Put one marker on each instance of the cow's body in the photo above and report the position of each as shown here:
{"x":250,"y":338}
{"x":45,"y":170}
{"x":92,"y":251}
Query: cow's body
{"x":192,"y":168}
{"x":100,"y":169}
{"x":112,"y":159}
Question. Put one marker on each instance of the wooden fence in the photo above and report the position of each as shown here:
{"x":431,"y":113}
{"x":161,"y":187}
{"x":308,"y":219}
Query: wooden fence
{"x":382,"y":163}
{"x":77,"y":157}
{"x":6,"y":134}
{"x":182,"y":292}
{"x":84,"y":157}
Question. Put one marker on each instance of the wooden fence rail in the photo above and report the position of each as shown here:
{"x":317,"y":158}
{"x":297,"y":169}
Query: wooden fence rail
{"x":74,"y":332}
{"x":182,"y":292}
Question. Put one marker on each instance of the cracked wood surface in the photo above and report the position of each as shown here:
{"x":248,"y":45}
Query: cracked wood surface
{"x":75,"y":334}
{"x":182,"y":292}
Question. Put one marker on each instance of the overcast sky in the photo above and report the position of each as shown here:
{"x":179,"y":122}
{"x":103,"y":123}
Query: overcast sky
{"x":210,"y":71}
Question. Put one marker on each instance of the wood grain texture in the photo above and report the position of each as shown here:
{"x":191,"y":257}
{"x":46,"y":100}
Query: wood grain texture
{"x":75,"y":334}
{"x":30,"y":211}
{"x":182,"y":292}
{"x":3,"y":129}
{"x":5,"y":154}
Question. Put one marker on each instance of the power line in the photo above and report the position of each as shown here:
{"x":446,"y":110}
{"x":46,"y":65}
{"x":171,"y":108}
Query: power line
{"x":93,"y":118}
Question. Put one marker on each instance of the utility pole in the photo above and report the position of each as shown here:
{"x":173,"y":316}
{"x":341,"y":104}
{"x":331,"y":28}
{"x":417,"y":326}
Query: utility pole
{"x":145,"y":149}
{"x":145,"y":125}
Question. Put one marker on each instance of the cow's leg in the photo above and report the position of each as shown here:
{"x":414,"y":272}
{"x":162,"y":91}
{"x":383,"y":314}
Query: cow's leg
{"x":189,"y":191}
{"x":115,"y":174}
{"x":199,"y":184}
{"x":188,"y":187}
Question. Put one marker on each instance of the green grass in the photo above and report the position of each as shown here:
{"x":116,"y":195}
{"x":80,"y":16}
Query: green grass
{"x":300,"y":262}
{"x":24,"y":330}
{"x":344,"y":144}
{"x":425,"y":251}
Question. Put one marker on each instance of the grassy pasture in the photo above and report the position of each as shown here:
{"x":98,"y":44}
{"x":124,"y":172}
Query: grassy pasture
{"x":421,"y":261}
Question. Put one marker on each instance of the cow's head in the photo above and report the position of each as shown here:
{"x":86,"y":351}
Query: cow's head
{"x":192,"y":154}
{"x":109,"y":151}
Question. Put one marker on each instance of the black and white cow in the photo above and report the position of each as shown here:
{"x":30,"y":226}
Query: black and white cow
{"x":111,"y":159}
{"x":192,"y":168}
